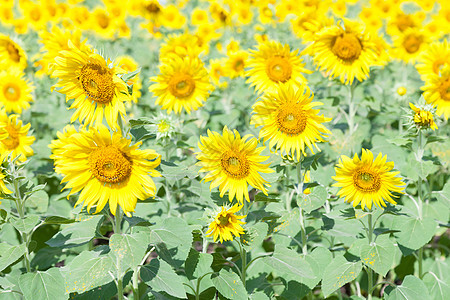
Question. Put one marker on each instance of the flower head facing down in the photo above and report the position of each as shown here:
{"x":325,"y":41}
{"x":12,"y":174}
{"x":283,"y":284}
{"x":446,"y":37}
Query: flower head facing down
{"x":226,"y":224}
{"x":365,"y":181}
{"x":105,"y":167}
{"x":11,"y":54}
{"x":422,"y":117}
{"x":232,"y":163}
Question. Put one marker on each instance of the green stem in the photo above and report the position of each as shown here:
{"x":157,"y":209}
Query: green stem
{"x":21,"y":210}
{"x":421,"y":263}
{"x":244,"y":265}
{"x":118,"y":218}
{"x":168,"y":199}
{"x":420,"y":200}
{"x":351,"y":110}
{"x":120,"y":289}
{"x":136,"y":284}
{"x":369,"y":270}
{"x":301,"y":216}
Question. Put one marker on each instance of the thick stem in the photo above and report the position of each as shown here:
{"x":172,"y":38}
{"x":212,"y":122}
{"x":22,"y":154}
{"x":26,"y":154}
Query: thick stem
{"x":420,"y":200}
{"x":244,"y":265}
{"x":120,"y":289}
{"x":301,"y":217}
{"x":118,"y":220}
{"x":351,"y":110}
{"x":21,"y":210}
{"x":369,"y":270}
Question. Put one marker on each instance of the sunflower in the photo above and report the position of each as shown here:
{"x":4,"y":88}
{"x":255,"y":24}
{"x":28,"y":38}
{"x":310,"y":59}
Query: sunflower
{"x":13,"y":138}
{"x":105,"y":168}
{"x":182,"y":45}
{"x":232,"y":163}
{"x":433,"y":59}
{"x":128,"y":64}
{"x":422,"y":116}
{"x":289,"y":120}
{"x":437,"y":92}
{"x":273,"y":63}
{"x":367,"y":180}
{"x":234,"y":67}
{"x":226,"y":224}
{"x":409,"y":45}
{"x":217,"y":71}
{"x":11,"y":54}
{"x":3,"y":188}
{"x":36,"y":15}
{"x":345,"y":51}
{"x":93,"y":83}
{"x":15,"y":91}
{"x":183,"y":84}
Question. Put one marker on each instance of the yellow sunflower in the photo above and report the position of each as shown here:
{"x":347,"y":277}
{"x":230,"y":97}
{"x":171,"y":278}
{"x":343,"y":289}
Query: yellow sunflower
{"x":183,"y":84}
{"x":422,"y":117}
{"x":106,"y":168}
{"x":14,"y":138}
{"x":232,"y":163}
{"x":289,"y":120}
{"x":234,"y":67}
{"x":437,"y":92}
{"x":409,"y":45}
{"x":217,"y":71}
{"x":11,"y":54}
{"x":366,"y":180}
{"x":226,"y":224}
{"x":272,"y":63}
{"x":128,"y":64}
{"x":3,"y":188}
{"x":345,"y":51}
{"x":433,"y":59}
{"x":93,"y":83}
{"x":15,"y":91}
{"x":182,"y":45}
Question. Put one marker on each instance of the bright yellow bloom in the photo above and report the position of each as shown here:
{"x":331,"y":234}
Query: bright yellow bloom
{"x":199,"y":16}
{"x":3,"y":188}
{"x":401,"y":91}
{"x":36,"y":15}
{"x":345,"y":51}
{"x":106,"y":168}
{"x":437,"y":92}
{"x":366,"y":180}
{"x":90,"y":80}
{"x":234,"y":67}
{"x":180,"y":44}
{"x":11,"y":54}
{"x":433,"y":59}
{"x":217,"y":71}
{"x":423,"y":118}
{"x":14,"y":138}
{"x":289,"y":120}
{"x":401,"y":22}
{"x":409,"y":45}
{"x":226,"y":224}
{"x":232,"y":163}
{"x":15,"y":91}
{"x":273,"y":63}
{"x":172,"y":17}
{"x":183,"y":84}
{"x":102,"y":23}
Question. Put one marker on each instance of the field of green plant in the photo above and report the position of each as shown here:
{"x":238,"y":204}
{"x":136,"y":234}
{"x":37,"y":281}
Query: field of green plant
{"x":199,"y":149}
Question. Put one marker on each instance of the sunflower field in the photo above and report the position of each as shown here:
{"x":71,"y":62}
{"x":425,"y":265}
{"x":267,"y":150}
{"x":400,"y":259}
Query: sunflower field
{"x":229,"y":149}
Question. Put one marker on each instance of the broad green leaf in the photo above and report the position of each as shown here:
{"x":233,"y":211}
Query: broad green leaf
{"x":198,"y":264}
{"x":128,"y":250}
{"x":55,"y":220}
{"x":414,"y":233}
{"x":104,"y":292}
{"x":77,"y":233}
{"x":287,"y":261}
{"x":9,"y":254}
{"x":258,"y":296}
{"x":38,"y":201}
{"x":339,"y":272}
{"x":379,"y":256}
{"x":88,"y":270}
{"x":229,"y":285}
{"x":439,"y":288}
{"x":254,"y":235}
{"x":48,"y":285}
{"x":26,"y":224}
{"x":412,"y":288}
{"x":160,"y":276}
{"x":314,"y":200}
{"x":318,"y":259}
{"x":416,"y":169}
{"x":260,"y":197}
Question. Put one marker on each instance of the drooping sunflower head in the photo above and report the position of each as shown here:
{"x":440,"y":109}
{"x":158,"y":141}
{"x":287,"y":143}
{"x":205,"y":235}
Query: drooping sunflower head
{"x":106,"y":168}
{"x":422,"y":117}
{"x":182,"y":85}
{"x":14,"y":139}
{"x":365,"y":181}
{"x":273,"y":63}
{"x":226,"y":223}
{"x":11,"y":54}
{"x":289,"y":120}
{"x":409,"y":45}
{"x":232,"y":163}
{"x":433,"y":59}
{"x":94,"y":84}
{"x":345,"y":50}
{"x":437,"y":91}
{"x":15,"y":91}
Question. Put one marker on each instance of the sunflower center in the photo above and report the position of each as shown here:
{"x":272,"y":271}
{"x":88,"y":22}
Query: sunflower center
{"x":444,"y":90}
{"x":235,"y":165}
{"x":239,"y":65}
{"x":103,"y":20}
{"x":12,"y":141}
{"x":13,"y":52}
{"x":110,"y":165}
{"x":11,"y":92}
{"x":404,"y":22}
{"x":366,"y":181}
{"x":401,"y":91}
{"x":153,"y":8}
{"x":438,"y":64}
{"x":412,"y":43}
{"x":97,"y":83}
{"x":181,"y":85}
{"x":347,"y":47}
{"x":163,"y":126}
{"x":35,"y":14}
{"x":279,"y":69}
{"x":291,"y":119}
{"x":224,"y":220}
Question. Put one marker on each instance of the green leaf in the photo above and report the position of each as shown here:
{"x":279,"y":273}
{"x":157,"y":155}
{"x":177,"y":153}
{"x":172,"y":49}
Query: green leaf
{"x":86,"y":271}
{"x":127,"y":251}
{"x":254,"y":235}
{"x":26,"y":224}
{"x":318,"y":259}
{"x":9,"y":254}
{"x":414,"y":233}
{"x":229,"y":285}
{"x":38,"y":201}
{"x":288,"y":262}
{"x":77,"y":233}
{"x":412,"y":288}
{"x":48,"y":285}
{"x":416,"y":169}
{"x":56,"y":220}
{"x":339,"y":272}
{"x":260,"y":197}
{"x":379,"y":256}
{"x":314,"y":200}
{"x":439,"y":288}
{"x":197,"y":264}
{"x":160,"y":276}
